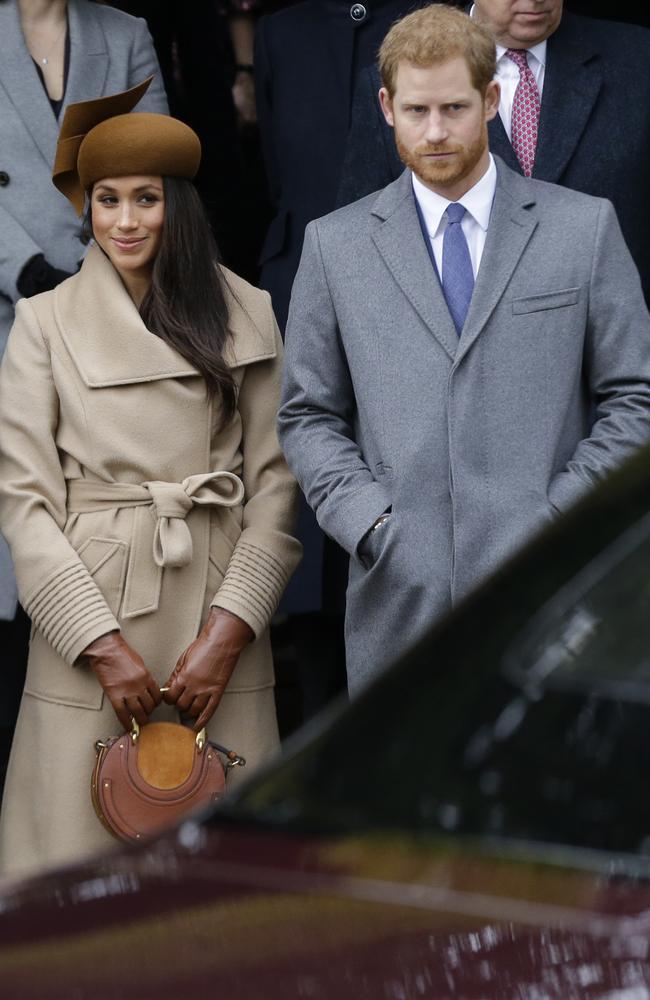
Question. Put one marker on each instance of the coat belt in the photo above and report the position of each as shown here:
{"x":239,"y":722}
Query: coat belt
{"x":164,"y":536}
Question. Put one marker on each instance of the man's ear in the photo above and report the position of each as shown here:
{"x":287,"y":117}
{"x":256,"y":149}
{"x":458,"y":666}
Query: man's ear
{"x":386,"y":102}
{"x":492,"y":99}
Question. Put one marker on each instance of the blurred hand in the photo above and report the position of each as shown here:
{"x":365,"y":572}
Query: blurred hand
{"x":204,"y":669}
{"x":243,"y":95}
{"x":38,"y":275}
{"x":127,"y":683}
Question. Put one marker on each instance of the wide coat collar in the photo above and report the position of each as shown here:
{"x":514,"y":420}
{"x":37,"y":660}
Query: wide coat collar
{"x":398,"y":238}
{"x":110,"y":345}
{"x":19,"y":77}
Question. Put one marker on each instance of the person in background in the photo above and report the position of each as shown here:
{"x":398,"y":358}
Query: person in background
{"x":52,"y":53}
{"x":468,"y":350}
{"x":206,"y":56}
{"x":587,"y":86}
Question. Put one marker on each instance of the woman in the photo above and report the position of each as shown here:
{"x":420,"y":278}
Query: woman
{"x":52,"y":53}
{"x":144,"y":495}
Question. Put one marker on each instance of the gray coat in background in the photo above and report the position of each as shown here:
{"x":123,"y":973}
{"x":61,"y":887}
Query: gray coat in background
{"x":109,"y":51}
{"x":474,"y":444}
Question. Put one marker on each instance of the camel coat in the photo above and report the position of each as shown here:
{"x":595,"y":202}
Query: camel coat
{"x":126,"y":508}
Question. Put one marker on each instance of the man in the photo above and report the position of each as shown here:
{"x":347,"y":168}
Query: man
{"x":590,"y":115}
{"x":435,"y":423}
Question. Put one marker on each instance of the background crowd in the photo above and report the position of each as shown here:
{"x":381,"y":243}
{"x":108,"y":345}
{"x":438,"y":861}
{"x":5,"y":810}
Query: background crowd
{"x":282,"y":97}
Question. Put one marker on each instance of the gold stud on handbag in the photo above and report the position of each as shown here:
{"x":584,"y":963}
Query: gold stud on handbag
{"x":149,"y":778}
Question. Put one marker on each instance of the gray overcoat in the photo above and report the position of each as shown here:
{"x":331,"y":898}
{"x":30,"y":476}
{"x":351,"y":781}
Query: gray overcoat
{"x":476,"y":443}
{"x":109,"y":51}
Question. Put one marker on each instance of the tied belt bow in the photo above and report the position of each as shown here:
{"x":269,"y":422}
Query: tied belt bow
{"x":165,"y":535}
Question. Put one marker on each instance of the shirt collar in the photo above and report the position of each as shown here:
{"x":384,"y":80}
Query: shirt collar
{"x":538,"y":51}
{"x":477,"y":201}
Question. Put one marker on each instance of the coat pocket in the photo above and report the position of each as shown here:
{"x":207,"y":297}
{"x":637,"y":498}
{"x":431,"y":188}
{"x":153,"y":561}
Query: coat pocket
{"x":547,"y":300}
{"x":105,"y":560}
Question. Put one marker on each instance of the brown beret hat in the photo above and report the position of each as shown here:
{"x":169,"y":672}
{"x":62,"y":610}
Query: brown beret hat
{"x":101,"y":139}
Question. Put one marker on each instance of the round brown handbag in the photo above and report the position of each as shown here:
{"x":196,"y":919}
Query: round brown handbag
{"x":149,"y":778}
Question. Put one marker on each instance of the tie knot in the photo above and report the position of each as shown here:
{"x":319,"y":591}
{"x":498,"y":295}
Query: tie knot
{"x":455,"y":212}
{"x":519,"y":57}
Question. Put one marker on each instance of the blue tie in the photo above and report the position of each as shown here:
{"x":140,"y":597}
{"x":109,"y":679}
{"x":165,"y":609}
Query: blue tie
{"x":457,"y":273}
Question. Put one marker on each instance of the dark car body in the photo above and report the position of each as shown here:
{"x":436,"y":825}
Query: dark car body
{"x":475,"y":825}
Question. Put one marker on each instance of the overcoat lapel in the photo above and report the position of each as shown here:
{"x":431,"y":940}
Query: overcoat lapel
{"x":398,"y":238}
{"x":19,"y":77}
{"x":104,"y":333}
{"x":510,"y":229}
{"x":88,"y":55}
{"x":500,"y":144}
{"x":573,"y":80}
{"x":109,"y":343}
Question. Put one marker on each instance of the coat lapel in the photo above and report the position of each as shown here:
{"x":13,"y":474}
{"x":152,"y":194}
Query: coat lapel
{"x":500,"y":144}
{"x":88,"y":55}
{"x":103,"y":331}
{"x":19,"y":77}
{"x":110,"y":345}
{"x":398,"y":238}
{"x":573,"y":80}
{"x":510,"y":229}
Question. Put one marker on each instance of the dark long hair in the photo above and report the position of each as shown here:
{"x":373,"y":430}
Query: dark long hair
{"x":186,"y":303}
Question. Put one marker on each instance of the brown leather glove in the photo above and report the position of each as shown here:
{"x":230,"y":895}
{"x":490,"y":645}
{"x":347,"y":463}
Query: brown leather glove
{"x":127,"y":683}
{"x":203,"y":670}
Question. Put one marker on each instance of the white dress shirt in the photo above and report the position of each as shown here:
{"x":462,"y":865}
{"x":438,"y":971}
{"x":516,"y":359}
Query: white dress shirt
{"x":507,"y":75}
{"x":478,"y":206}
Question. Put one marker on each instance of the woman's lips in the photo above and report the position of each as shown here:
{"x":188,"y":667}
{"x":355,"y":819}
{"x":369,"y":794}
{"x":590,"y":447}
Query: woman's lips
{"x":126,"y":245}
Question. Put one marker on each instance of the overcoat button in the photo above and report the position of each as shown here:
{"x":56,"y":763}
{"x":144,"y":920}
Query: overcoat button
{"x":357,"y":12}
{"x":4,"y":178}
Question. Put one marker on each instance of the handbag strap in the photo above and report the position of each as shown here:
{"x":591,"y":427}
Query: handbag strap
{"x":233,"y":758}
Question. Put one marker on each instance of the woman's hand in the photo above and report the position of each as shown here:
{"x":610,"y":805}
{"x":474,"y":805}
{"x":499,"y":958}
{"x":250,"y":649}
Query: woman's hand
{"x":203,"y":670}
{"x":127,"y":683}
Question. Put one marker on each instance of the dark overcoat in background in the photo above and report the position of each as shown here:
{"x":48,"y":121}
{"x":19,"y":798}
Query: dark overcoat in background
{"x":594,"y":130}
{"x":307,"y":61}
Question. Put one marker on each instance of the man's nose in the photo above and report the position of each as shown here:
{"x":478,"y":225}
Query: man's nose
{"x":436,"y":131}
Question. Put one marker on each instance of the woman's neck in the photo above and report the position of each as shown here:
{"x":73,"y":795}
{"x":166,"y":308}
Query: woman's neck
{"x":42,"y":13}
{"x":137,"y":285}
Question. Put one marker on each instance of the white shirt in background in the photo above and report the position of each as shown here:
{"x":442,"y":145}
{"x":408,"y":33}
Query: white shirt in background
{"x":507,"y":75}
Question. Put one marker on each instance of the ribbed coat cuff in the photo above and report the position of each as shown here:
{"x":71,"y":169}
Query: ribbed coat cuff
{"x":69,"y":610}
{"x":256,"y":578}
